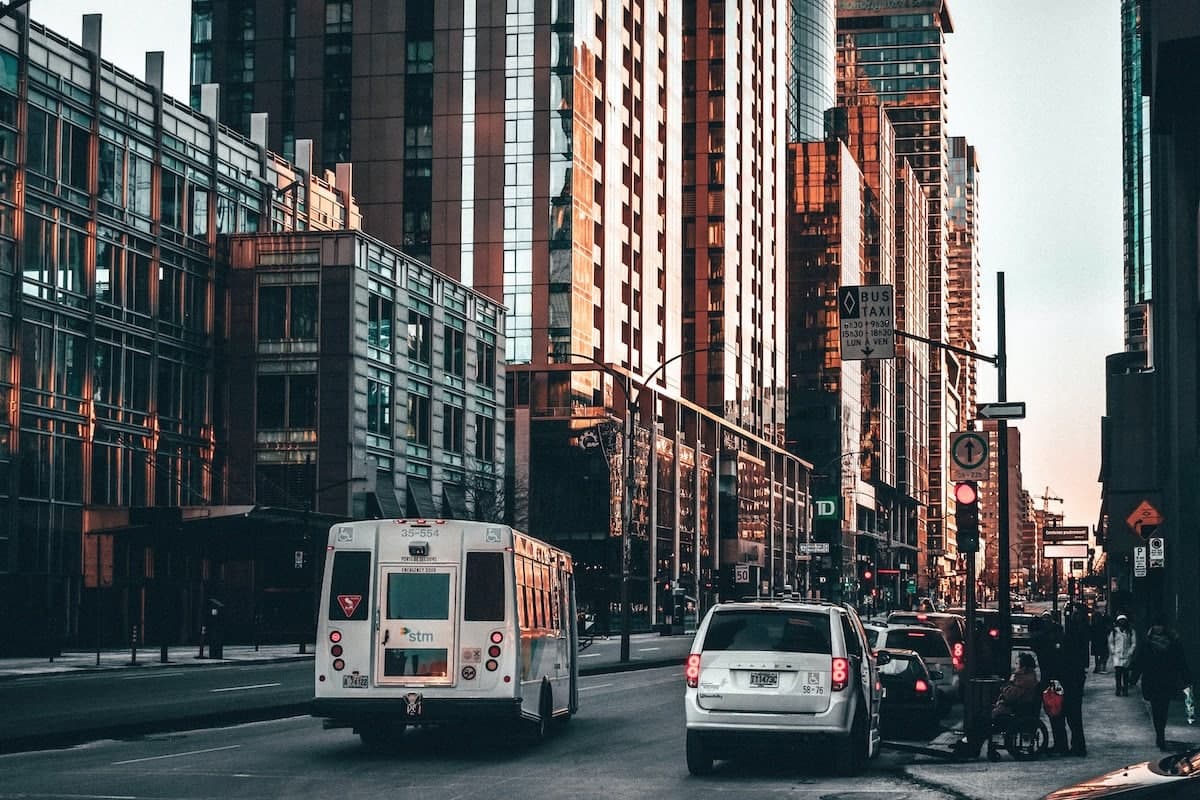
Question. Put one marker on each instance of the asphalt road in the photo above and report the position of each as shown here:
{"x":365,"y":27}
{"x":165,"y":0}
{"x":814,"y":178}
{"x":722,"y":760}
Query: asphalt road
{"x":626,"y":742}
{"x":60,"y":709}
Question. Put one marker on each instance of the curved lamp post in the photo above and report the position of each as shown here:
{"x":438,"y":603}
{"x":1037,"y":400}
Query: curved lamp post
{"x":632,"y":404}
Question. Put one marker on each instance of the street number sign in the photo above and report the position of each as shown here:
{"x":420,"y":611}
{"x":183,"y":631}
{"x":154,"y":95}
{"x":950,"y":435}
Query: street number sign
{"x":968,"y":456}
{"x":867,"y":316}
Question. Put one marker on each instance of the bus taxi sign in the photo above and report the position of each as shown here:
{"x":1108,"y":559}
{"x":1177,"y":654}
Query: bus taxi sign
{"x":349,"y":603}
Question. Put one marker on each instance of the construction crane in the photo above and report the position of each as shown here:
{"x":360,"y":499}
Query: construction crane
{"x":1047,"y":496}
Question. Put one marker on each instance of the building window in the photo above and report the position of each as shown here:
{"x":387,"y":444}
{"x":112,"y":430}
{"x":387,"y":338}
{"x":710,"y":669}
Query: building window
{"x":287,"y":312}
{"x":485,"y":437}
{"x":418,"y":420}
{"x":454,"y":356}
{"x":379,"y":323}
{"x":379,"y":408}
{"x":485,"y":364}
{"x":420,"y":337}
{"x":286,"y":401}
{"x":453,"y":433}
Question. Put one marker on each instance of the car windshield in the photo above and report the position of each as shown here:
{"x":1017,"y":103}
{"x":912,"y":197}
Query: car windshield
{"x":928,"y":644}
{"x":763,"y":629}
{"x":872,"y":636}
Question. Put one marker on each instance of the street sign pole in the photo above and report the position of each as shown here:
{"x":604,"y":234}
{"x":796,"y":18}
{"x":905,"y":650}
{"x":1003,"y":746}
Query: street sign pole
{"x":1004,"y":563}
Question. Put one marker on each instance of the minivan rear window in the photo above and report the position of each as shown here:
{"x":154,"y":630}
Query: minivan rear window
{"x":780,"y":631}
{"x":928,"y":644}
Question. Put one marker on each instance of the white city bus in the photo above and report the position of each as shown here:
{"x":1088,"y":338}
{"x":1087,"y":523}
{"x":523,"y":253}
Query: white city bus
{"x":429,"y":622}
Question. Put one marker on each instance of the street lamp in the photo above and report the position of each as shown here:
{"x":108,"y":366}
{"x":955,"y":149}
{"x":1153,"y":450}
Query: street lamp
{"x":310,"y":506}
{"x":632,"y":405}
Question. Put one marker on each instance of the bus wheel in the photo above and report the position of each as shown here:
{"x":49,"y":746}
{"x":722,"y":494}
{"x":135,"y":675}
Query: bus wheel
{"x":377,"y":738}
{"x":539,"y":729}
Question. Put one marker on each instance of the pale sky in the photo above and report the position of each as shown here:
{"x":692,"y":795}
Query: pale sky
{"x":1035,"y":86}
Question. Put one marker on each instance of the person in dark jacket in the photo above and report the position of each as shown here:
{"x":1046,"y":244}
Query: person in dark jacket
{"x":1073,"y":667}
{"x":1046,"y":637}
{"x":1101,"y":627}
{"x":1160,"y":661}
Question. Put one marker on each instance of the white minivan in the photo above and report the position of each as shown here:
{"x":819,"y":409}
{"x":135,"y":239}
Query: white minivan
{"x":781,"y":670}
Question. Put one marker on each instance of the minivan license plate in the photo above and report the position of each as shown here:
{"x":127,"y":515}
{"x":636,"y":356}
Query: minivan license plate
{"x":764,"y":679}
{"x":354,"y":681}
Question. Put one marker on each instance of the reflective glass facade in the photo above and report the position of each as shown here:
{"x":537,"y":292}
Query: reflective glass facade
{"x":113,"y":328}
{"x":811,"y":34}
{"x":1135,"y":140}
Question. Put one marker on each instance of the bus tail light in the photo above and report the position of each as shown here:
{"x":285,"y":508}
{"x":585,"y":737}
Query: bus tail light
{"x":840,"y":674}
{"x":692,"y":671}
{"x":497,"y":637}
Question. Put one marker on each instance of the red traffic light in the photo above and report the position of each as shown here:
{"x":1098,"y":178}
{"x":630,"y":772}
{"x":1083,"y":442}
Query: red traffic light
{"x":966,"y":492}
{"x":867,"y":574}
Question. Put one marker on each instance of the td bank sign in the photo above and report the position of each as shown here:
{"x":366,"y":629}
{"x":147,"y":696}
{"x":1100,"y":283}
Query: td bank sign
{"x":825,"y":508}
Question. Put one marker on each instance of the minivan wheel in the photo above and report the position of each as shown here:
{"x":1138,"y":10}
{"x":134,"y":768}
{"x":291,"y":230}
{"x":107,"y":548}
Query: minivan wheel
{"x":851,"y":756}
{"x":699,"y":757}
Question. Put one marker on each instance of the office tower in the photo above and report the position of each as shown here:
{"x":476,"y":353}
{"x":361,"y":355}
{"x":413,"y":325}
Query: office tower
{"x":901,"y":49}
{"x":1135,"y":149}
{"x":962,"y":263}
{"x":812,"y":29}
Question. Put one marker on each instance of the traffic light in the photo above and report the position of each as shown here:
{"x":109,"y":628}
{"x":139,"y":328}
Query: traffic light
{"x":866,"y":577}
{"x":966,"y":515}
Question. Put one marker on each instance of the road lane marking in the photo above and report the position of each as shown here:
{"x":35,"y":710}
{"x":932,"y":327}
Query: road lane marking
{"x":176,"y":755}
{"x":244,"y":688}
{"x":159,"y":674}
{"x":590,"y":655}
{"x":597,"y":686}
{"x":647,"y":649}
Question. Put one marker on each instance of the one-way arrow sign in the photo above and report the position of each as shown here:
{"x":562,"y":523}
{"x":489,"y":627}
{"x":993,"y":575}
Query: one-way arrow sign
{"x":1002,"y":411}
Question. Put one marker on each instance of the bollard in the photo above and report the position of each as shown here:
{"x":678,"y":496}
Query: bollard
{"x":203,"y":634}
{"x":162,"y":653}
{"x":133,"y":645}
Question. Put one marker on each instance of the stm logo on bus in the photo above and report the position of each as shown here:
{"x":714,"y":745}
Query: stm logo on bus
{"x":416,"y":636}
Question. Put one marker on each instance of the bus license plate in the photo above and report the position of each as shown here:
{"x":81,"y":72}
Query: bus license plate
{"x":764,"y":679}
{"x":354,"y":681}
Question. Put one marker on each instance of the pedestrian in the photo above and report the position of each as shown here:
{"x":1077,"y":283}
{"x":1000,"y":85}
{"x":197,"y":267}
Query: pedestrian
{"x":1045,"y":639}
{"x":1121,"y":645}
{"x":1160,"y":661}
{"x":1072,"y":669}
{"x":1101,"y":627}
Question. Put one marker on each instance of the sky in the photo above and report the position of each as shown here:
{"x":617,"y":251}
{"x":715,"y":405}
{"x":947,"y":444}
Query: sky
{"x":1035,"y":87}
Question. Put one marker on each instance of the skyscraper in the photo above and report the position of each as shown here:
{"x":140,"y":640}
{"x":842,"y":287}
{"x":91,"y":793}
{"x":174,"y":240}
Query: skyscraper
{"x":610,"y":173}
{"x":1135,"y":141}
{"x":901,"y":49}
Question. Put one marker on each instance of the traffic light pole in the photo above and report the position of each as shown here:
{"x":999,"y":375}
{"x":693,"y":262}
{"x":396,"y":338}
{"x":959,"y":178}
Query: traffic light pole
{"x":1004,"y":567}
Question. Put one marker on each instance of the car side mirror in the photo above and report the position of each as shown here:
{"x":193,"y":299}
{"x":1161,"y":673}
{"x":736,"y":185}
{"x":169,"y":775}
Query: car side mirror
{"x":882,"y":658}
{"x":936,"y":674}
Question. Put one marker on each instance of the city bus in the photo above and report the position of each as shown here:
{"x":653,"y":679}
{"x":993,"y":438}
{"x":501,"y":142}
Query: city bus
{"x":438,"y":622}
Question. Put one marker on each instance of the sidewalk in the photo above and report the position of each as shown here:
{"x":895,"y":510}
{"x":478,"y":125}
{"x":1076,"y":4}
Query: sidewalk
{"x":1118,"y":733}
{"x":146,"y":657}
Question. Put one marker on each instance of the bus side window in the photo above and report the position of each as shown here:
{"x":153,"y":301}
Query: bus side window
{"x":484,"y":587}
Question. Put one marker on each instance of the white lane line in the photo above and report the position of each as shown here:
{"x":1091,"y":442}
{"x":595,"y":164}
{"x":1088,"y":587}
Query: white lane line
{"x":152,"y":675}
{"x":244,"y":688}
{"x":590,"y":655}
{"x":176,"y":755}
{"x":597,"y":686}
{"x":647,"y":649}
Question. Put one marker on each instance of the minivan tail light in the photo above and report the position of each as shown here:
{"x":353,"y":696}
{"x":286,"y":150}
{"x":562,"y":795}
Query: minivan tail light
{"x":692,"y":671}
{"x":921,"y":686}
{"x":841,"y":674}
{"x":958,"y":656}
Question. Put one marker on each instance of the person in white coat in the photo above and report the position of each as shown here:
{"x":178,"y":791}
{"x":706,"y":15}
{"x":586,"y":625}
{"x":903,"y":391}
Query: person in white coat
{"x":1121,"y":644}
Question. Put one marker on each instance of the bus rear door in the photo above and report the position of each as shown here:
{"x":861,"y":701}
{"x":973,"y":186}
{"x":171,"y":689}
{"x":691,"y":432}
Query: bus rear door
{"x":417,"y":610}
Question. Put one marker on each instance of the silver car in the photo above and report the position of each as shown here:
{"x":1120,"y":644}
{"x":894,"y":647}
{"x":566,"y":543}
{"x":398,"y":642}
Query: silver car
{"x":781,"y":670}
{"x":931,"y":644}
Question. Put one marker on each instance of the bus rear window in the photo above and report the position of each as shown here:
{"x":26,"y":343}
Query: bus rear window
{"x":418,"y":595}
{"x":349,"y":585}
{"x":483,"y":599}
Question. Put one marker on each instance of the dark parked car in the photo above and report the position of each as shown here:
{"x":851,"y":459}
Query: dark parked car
{"x":910,"y":701}
{"x":1176,"y":776}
